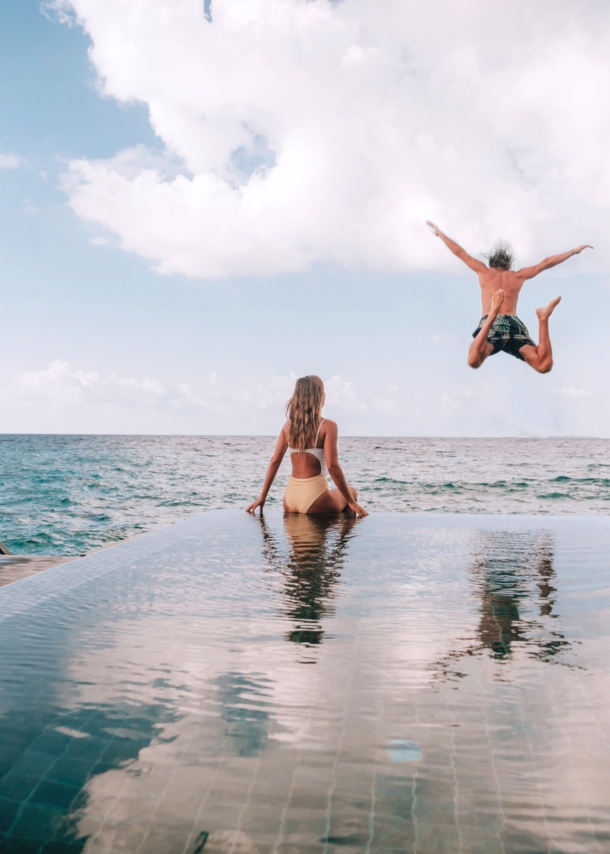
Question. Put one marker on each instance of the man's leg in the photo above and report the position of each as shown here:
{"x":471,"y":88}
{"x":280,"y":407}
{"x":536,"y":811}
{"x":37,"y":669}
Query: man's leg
{"x":540,"y":358}
{"x":480,"y":348}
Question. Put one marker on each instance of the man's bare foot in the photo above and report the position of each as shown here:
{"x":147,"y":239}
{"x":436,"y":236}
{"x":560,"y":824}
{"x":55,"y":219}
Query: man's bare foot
{"x":496,"y":303}
{"x":547,"y":311}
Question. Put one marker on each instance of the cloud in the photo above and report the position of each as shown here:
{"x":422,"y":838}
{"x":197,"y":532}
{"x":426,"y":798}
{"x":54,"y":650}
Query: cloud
{"x":342,"y":394}
{"x":300,"y":132}
{"x":10,"y":161}
{"x":61,"y":384}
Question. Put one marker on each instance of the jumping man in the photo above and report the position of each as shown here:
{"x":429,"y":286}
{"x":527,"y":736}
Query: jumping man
{"x":500,"y":288}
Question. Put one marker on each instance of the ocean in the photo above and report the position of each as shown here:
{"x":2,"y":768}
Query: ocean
{"x":71,"y":494}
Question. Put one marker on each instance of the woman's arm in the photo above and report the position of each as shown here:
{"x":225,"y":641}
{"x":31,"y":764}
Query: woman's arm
{"x":275,"y":463}
{"x":331,"y":455}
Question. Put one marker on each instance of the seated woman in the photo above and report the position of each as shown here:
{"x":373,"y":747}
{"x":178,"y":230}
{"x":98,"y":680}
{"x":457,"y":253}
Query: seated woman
{"x":312,"y":444}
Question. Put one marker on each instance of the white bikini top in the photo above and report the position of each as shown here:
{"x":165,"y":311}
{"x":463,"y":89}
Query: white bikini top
{"x":317,"y":452}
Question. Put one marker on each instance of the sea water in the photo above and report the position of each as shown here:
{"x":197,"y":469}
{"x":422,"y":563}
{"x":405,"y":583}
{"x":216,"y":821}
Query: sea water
{"x":71,"y":494}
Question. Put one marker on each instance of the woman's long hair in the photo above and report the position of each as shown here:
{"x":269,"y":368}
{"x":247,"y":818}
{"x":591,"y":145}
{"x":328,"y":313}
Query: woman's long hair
{"x":303,"y":412}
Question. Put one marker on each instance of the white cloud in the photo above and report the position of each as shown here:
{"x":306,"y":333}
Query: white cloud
{"x":60,"y":383}
{"x":342,"y":394}
{"x":10,"y":161}
{"x":319,"y":131}
{"x":502,"y":399}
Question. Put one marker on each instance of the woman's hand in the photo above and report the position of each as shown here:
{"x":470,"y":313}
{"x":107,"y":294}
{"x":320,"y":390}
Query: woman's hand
{"x":260,"y":502}
{"x":357,"y":509}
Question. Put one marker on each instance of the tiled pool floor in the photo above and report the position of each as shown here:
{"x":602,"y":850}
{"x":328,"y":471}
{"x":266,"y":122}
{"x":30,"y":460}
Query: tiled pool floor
{"x":413,"y":683}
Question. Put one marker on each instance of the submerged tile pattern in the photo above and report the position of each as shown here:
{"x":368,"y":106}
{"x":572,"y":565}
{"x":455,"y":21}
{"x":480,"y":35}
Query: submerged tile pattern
{"x":404,"y":683}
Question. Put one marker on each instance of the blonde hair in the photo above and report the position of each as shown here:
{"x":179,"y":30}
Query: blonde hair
{"x":303,"y":412}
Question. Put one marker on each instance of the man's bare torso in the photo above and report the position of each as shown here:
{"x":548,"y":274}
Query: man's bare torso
{"x":492,"y":280}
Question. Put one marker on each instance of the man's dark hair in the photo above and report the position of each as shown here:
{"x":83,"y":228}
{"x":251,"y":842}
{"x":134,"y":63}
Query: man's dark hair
{"x":501,"y":256}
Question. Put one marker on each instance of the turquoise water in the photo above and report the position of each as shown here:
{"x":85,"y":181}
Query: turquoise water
{"x":71,"y":494}
{"x":230,"y":685}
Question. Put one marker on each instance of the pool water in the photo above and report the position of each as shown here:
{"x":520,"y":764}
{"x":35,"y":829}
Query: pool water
{"x":400,"y":683}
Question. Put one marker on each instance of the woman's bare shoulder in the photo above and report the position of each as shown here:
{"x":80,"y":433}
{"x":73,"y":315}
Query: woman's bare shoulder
{"x":328,"y":425}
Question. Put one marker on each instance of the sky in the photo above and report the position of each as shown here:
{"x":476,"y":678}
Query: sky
{"x":200,"y":202}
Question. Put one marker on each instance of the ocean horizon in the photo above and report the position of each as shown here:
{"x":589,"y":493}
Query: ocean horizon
{"x":71,"y":493}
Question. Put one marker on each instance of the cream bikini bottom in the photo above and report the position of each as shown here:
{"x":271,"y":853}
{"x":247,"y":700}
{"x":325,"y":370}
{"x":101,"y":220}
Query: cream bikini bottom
{"x":302,"y":492}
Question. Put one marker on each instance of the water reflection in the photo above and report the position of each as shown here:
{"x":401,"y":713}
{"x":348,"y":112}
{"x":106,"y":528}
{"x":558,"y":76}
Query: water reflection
{"x":245,"y":703}
{"x":173,"y":716}
{"x":317,"y":548}
{"x":51,"y":759}
{"x":512,"y":576}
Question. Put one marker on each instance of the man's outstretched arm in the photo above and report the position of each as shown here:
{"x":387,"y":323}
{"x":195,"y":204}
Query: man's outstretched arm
{"x":473,"y":263}
{"x":551,"y":261}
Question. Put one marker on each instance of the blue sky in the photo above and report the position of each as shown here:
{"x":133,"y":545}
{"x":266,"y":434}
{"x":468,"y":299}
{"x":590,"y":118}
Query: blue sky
{"x":96,"y":340}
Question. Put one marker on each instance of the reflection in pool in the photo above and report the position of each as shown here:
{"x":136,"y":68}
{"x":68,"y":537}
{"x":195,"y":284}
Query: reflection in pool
{"x":402,"y":683}
{"x":512,"y":576}
{"x":311,"y":569}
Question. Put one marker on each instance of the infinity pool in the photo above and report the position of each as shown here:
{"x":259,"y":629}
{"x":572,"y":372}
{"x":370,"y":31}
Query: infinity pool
{"x":403,"y":683}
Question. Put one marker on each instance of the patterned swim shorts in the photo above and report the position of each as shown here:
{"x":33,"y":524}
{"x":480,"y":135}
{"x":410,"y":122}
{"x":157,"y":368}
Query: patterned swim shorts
{"x":507,"y":333}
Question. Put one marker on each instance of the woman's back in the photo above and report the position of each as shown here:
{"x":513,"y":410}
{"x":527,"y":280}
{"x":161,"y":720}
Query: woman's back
{"x":309,"y":462}
{"x":311,"y":442}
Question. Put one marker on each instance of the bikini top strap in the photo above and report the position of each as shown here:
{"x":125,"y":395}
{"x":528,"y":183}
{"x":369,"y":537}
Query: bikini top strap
{"x":315,"y":444}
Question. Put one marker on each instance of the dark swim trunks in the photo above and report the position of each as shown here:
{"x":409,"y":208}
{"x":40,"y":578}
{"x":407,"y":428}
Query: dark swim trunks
{"x":507,"y":333}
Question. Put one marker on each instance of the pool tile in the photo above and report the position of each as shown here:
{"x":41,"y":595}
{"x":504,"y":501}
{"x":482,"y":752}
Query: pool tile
{"x":36,"y":821}
{"x":118,"y":838}
{"x":306,"y":776}
{"x":300,"y":848}
{"x":219,"y":815}
{"x":8,"y":811}
{"x":56,"y":847}
{"x":164,"y":841}
{"x":262,"y":824}
{"x":393,"y":831}
{"x":133,"y":812}
{"x":54,"y":794}
{"x":20,"y":846}
{"x":50,"y":741}
{"x":70,"y":771}
{"x":304,"y":825}
{"x":86,"y":748}
{"x":264,"y":794}
{"x":437,"y":839}
{"x":177,"y":813}
{"x":16,"y":787}
{"x":491,"y":845}
{"x":33,"y":763}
